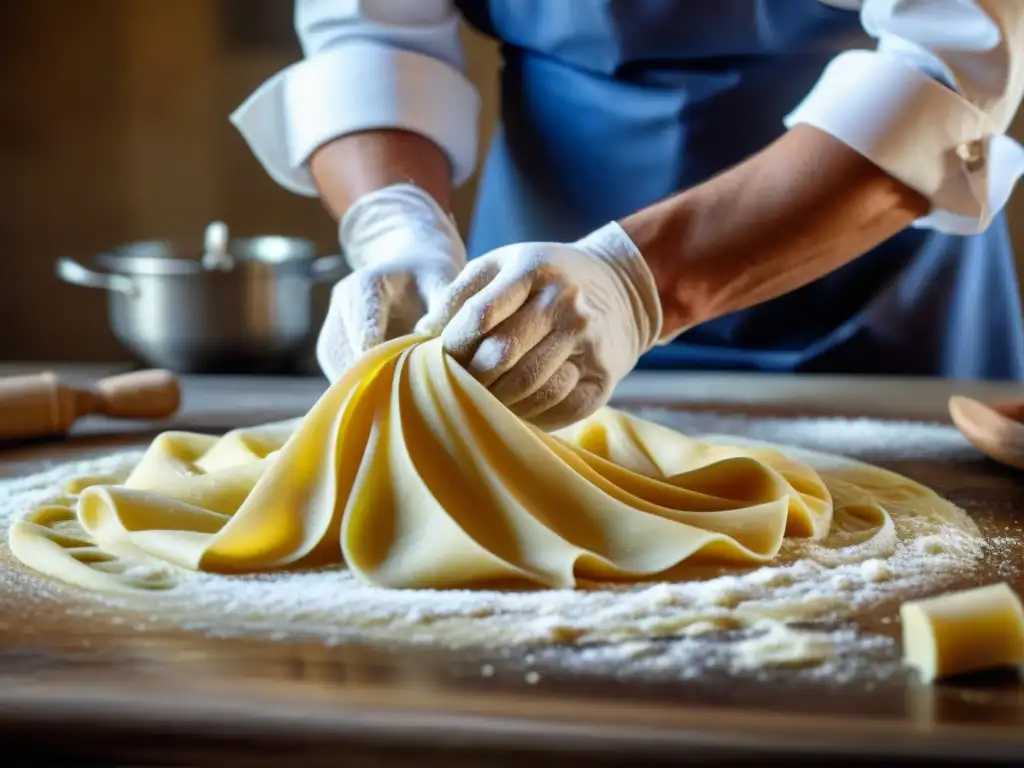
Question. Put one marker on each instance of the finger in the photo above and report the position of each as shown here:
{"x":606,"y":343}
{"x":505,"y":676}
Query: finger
{"x":434,"y":287}
{"x":585,"y":399}
{"x":443,"y":306}
{"x":484,"y":310}
{"x":536,"y":366}
{"x":556,"y":389}
{"x":514,"y":338}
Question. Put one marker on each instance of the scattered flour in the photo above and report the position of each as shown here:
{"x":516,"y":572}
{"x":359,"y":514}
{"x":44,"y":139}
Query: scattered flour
{"x":731,"y":621}
{"x":778,"y":645}
{"x":854,"y":438}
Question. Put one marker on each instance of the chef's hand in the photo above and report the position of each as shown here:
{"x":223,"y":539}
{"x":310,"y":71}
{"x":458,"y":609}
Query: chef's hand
{"x":551,"y":328}
{"x":404,"y":252}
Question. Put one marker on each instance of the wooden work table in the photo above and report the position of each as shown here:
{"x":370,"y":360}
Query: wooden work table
{"x":118,"y":696}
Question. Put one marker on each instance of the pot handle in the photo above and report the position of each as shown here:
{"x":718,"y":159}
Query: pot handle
{"x":70,"y":271}
{"x":328,"y":269}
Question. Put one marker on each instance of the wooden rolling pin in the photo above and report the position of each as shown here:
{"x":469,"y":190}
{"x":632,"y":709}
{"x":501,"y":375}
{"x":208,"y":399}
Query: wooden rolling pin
{"x":40,"y":405}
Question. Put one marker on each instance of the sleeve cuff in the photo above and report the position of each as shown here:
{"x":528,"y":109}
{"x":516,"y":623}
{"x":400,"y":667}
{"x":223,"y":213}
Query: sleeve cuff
{"x":358,"y":86}
{"x":921,"y":133}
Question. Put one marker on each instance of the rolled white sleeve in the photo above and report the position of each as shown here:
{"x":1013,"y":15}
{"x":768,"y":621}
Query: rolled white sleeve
{"x":368,"y":64}
{"x":931,"y":104}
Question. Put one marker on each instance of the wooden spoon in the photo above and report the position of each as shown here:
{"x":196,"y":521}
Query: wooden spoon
{"x":995,"y":429}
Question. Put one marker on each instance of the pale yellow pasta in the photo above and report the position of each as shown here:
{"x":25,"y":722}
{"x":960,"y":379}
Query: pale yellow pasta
{"x":413,"y":475}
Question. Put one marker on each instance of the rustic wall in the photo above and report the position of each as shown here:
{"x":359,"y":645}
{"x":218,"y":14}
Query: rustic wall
{"x":114,"y":128}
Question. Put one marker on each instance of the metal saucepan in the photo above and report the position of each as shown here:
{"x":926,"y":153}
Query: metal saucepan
{"x":233,"y":305}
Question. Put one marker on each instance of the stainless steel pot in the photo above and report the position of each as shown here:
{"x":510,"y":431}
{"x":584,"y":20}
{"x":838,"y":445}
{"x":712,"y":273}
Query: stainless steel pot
{"x":248,"y":309}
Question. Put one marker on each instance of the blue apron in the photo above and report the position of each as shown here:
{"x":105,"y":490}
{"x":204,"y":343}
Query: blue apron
{"x":610,"y":105}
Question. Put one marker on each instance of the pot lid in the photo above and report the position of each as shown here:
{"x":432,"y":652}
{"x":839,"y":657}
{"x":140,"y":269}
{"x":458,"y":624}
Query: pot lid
{"x":215,"y":252}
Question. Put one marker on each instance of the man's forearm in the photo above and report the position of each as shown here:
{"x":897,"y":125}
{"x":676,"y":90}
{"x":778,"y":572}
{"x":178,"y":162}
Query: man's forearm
{"x":349,"y":167}
{"x":801,"y":208}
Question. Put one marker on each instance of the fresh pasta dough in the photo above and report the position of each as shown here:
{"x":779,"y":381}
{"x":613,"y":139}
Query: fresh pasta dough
{"x":413,"y":475}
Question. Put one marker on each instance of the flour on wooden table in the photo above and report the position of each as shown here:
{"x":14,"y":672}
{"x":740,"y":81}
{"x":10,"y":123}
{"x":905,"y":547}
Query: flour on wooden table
{"x":736,"y":621}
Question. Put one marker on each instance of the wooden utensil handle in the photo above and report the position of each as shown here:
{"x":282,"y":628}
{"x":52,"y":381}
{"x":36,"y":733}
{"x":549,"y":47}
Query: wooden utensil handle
{"x":991,"y":431}
{"x":152,"y":394}
{"x":1011,"y":409}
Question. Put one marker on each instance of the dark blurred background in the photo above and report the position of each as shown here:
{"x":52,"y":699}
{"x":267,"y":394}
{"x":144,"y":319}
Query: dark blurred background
{"x":114,"y":128}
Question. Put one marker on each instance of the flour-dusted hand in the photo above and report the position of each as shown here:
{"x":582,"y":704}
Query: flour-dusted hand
{"x":404,"y":252}
{"x":551,"y":328}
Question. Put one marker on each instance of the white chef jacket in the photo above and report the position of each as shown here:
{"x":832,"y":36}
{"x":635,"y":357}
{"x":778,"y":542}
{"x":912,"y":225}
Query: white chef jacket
{"x":930,"y":104}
